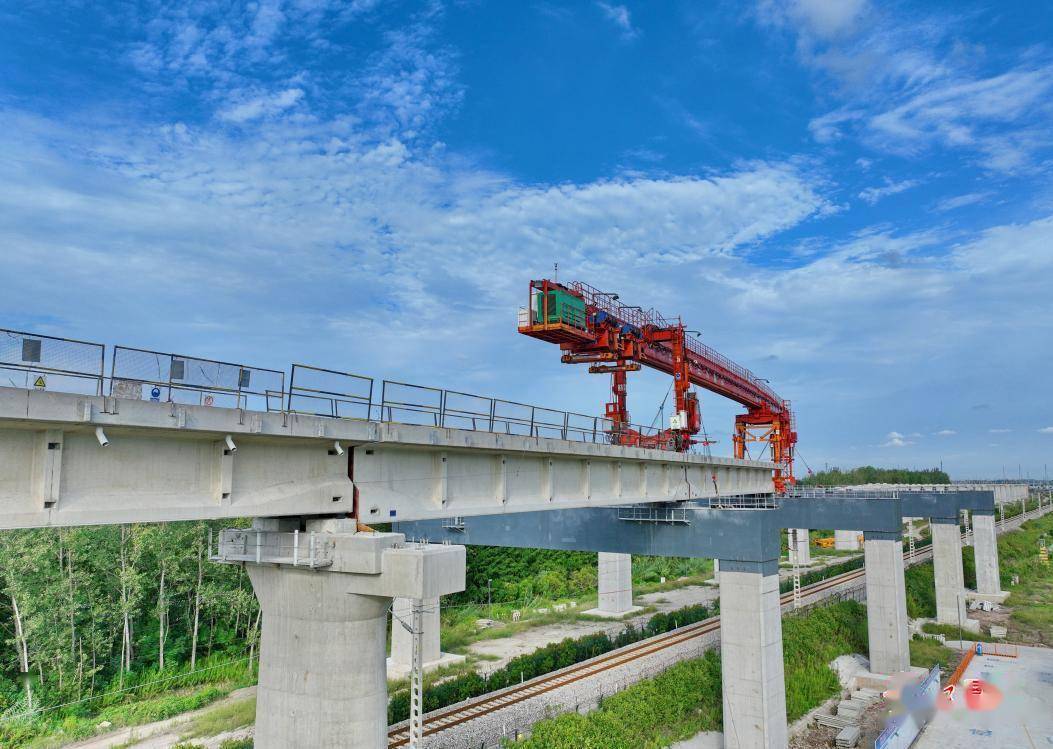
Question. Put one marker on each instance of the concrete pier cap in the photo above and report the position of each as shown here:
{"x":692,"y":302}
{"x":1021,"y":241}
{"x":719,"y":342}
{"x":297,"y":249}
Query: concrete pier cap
{"x":325,"y":595}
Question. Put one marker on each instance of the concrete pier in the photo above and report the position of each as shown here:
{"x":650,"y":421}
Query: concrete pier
{"x":804,"y":549}
{"x":615,"y":581}
{"x":947,"y":567}
{"x":886,"y":603}
{"x":401,"y":661}
{"x":751,"y":656}
{"x":988,"y":579}
{"x":846,"y":540}
{"x":322,"y":680}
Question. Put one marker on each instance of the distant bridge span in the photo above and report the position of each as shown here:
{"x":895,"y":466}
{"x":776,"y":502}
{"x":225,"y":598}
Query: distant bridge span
{"x":170,"y":461}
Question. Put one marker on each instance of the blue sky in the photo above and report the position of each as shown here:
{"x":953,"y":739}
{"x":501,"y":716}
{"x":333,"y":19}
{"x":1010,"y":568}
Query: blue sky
{"x":851,"y":198}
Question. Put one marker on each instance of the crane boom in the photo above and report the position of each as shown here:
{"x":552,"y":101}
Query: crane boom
{"x":593,"y":327}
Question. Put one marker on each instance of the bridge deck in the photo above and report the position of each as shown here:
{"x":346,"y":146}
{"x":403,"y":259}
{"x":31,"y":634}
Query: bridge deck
{"x":169,"y":461}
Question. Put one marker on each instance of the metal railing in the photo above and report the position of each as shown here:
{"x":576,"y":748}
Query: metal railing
{"x":833,"y":491}
{"x":647,"y":514}
{"x":327,"y":392}
{"x":30,"y":360}
{"x":454,"y":523}
{"x":142,"y":374}
{"x":187,"y":379}
{"x":740,"y":502}
{"x":295,"y":549}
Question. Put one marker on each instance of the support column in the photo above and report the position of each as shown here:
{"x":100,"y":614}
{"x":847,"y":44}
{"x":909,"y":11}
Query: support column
{"x":716,"y":570}
{"x":324,"y":596}
{"x":615,"y":580}
{"x":988,"y":580}
{"x":804,"y":549}
{"x":322,"y":681}
{"x":751,"y":656}
{"x":846,"y":540}
{"x":886,"y":603}
{"x":401,"y":661}
{"x":947,"y":567}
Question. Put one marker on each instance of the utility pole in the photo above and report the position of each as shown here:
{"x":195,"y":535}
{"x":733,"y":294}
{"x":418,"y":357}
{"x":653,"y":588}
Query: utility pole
{"x":415,"y":626}
{"x":417,"y":677}
{"x":489,"y":598}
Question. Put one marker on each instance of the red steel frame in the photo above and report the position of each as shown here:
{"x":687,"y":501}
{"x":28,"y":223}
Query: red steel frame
{"x":616,"y":339}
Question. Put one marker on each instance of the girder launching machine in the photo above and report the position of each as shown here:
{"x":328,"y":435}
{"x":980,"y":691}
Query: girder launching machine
{"x":592,"y":327}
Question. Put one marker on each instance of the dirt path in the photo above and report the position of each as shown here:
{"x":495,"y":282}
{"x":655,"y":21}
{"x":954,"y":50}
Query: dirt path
{"x":166,"y":733}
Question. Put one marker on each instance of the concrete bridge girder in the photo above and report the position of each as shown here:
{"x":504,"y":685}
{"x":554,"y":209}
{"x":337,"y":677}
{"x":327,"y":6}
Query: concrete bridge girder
{"x":168,"y":461}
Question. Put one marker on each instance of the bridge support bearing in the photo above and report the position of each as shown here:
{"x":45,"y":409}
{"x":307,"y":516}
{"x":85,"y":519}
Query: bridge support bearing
{"x":846,"y":540}
{"x":401,"y":661}
{"x":886,"y":603}
{"x":322,"y":679}
{"x":947,"y":567}
{"x":985,"y":543}
{"x":751,"y":655}
{"x":615,"y":583}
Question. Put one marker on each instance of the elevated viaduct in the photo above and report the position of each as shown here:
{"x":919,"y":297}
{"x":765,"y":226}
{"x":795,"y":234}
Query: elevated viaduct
{"x":312,"y":483}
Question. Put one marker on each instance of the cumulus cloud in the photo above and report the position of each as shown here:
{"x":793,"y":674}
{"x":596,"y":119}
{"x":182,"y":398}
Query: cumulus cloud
{"x":895,"y":439}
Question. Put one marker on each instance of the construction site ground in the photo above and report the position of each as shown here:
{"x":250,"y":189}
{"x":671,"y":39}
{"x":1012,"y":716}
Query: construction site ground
{"x":1023,"y":720}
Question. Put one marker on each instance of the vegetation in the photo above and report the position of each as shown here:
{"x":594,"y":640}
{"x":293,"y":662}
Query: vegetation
{"x":227,"y":717}
{"x":926,"y":653}
{"x":542,"y":661}
{"x":921,"y":591}
{"x":833,"y":570}
{"x":122,"y":624}
{"x":872,"y":475}
{"x":519,"y":576}
{"x":1032,"y":599}
{"x":686,"y":699}
{"x":950,"y":631}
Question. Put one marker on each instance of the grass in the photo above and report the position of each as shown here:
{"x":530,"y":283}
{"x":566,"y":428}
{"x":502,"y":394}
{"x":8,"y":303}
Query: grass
{"x":1032,"y":600}
{"x":226,"y":717}
{"x":686,"y":698}
{"x":927,"y":653}
{"x":40,"y":735}
{"x":950,"y":631}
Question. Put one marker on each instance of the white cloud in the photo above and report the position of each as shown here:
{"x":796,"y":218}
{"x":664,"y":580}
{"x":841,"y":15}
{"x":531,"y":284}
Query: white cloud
{"x":973,"y":114}
{"x":999,"y":431}
{"x":262,"y":106}
{"x":961,"y":201}
{"x":905,"y":88}
{"x":823,"y":18}
{"x":1046,"y":430}
{"x":872,"y":195}
{"x":619,"y":15}
{"x":945,"y":433}
{"x":895,"y":439}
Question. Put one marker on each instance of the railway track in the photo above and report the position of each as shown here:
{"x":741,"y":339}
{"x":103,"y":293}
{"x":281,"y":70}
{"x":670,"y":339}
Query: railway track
{"x":456,"y":715}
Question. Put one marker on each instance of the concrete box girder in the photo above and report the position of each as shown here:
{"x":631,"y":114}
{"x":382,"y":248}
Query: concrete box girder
{"x":168,"y":461}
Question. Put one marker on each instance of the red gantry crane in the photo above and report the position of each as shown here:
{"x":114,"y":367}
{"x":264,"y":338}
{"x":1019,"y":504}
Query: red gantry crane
{"x":593,"y":327}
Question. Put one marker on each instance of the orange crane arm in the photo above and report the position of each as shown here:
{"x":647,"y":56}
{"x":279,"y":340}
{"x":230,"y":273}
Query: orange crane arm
{"x":591,"y":326}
